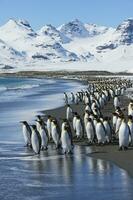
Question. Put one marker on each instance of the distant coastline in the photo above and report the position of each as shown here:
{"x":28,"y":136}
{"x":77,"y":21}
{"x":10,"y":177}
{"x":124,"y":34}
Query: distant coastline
{"x":61,"y":74}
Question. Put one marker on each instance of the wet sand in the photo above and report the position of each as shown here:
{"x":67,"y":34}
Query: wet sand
{"x":123,"y":159}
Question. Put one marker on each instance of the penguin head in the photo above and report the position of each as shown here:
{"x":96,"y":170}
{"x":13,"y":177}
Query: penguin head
{"x":87,"y":112}
{"x":118,"y":108}
{"x":24,"y":122}
{"x":106,"y":118}
{"x":95,"y":117}
{"x":131,"y":101}
{"x":130,"y":117}
{"x":40,"y":122}
{"x":66,"y":127}
{"x":115,"y":114}
{"x":98,"y":120}
{"x":49,"y":116}
{"x":89,"y":120}
{"x":75,"y":113}
{"x":54,"y":121}
{"x":33,"y":127}
{"x":39,"y":117}
{"x":64,"y":120}
{"x":78,"y":117}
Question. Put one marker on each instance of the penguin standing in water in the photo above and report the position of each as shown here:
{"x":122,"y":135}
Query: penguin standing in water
{"x":100,"y":132}
{"x":65,"y":97}
{"x":49,"y":121}
{"x":79,"y":127}
{"x":35,"y":140}
{"x":90,"y":130}
{"x":66,"y":139}
{"x":69,"y":113}
{"x":130,"y":125}
{"x":66,"y":124}
{"x":26,"y":133}
{"x":44,"y":136}
{"x":123,"y":135}
{"x":55,"y":133}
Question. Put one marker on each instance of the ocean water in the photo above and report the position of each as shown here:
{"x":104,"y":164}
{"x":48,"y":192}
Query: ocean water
{"x":22,"y":99}
{"x":51,"y":175}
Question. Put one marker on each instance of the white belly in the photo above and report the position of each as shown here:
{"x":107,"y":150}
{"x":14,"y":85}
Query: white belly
{"x":35,"y":142}
{"x":26,"y":135}
{"x":123,"y":135}
{"x":100,"y":133}
{"x":65,"y":141}
{"x":55,"y":135}
{"x":90,"y":131}
{"x":44,"y":138}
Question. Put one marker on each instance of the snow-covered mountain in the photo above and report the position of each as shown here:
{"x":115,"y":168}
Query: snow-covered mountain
{"x":74,"y":46}
{"x":74,"y":29}
{"x":51,"y":32}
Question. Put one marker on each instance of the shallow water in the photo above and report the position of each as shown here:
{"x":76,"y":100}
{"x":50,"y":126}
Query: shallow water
{"x":55,"y":176}
{"x":24,"y":176}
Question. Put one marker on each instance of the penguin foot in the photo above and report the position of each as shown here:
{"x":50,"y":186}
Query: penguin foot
{"x":70,"y":152}
{"x":120,"y":149}
{"x":125,"y":148}
{"x":44,"y":148}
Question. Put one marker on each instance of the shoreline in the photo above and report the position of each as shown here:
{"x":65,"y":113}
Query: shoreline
{"x":110,"y":152}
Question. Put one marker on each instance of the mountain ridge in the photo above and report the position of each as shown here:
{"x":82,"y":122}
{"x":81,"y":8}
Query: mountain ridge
{"x":74,"y":41}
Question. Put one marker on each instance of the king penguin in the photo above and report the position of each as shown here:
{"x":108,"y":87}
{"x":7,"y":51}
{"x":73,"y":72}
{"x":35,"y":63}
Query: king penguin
{"x":123,"y":135}
{"x":90,"y":130}
{"x":35,"y":140}
{"x":114,"y":120}
{"x":108,"y":129}
{"x":74,"y":120}
{"x":79,"y":127}
{"x":49,"y":126}
{"x":86,"y":117}
{"x":100,"y":132}
{"x":66,"y":139}
{"x":55,"y":133}
{"x":69,"y":113}
{"x":26,"y":133}
{"x":44,"y":136}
